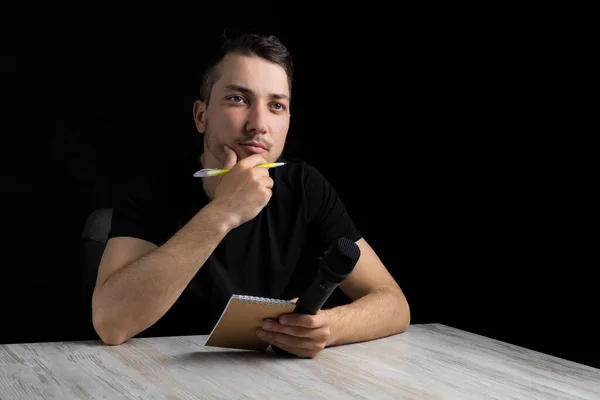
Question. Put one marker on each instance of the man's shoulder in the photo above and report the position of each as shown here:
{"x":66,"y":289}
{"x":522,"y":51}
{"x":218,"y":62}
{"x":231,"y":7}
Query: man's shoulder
{"x":297,"y":171}
{"x":301,"y":183}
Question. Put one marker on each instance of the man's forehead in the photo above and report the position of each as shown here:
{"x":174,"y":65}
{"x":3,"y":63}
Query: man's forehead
{"x":254,"y":73}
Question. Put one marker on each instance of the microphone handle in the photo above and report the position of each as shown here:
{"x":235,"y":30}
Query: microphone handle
{"x":316,"y":295}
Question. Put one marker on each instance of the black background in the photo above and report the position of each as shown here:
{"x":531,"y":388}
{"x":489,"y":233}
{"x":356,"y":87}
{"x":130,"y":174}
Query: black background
{"x":433,"y":132}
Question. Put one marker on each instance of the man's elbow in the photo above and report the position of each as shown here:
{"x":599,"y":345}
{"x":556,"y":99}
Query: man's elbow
{"x":108,"y":333}
{"x":106,"y":329}
{"x":403,"y":310}
{"x":404,"y":320}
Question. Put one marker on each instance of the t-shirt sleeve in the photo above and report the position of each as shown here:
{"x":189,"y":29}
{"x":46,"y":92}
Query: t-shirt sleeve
{"x":136,"y":214}
{"x":327,"y":216}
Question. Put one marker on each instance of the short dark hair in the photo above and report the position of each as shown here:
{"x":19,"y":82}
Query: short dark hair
{"x":268,"y":47}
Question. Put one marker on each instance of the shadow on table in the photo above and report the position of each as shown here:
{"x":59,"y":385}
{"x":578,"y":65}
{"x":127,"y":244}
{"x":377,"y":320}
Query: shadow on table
{"x":230,"y":356}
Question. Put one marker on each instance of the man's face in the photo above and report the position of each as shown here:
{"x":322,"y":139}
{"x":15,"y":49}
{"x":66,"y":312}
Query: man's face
{"x":248,"y":110}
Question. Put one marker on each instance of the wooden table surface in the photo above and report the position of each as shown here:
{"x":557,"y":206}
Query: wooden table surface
{"x":429,"y":361}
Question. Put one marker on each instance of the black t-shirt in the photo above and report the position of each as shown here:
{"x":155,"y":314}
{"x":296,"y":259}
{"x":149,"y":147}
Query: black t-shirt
{"x":273,"y":255}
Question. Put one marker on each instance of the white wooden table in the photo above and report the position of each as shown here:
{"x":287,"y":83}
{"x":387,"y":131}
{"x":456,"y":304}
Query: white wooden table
{"x":426,"y":362}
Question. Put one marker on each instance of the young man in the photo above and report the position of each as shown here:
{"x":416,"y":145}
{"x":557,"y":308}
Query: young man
{"x":181,"y":246}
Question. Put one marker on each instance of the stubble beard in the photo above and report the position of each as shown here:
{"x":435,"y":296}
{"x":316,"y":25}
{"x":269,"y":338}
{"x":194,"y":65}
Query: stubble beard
{"x":211,"y":146}
{"x":215,"y":149}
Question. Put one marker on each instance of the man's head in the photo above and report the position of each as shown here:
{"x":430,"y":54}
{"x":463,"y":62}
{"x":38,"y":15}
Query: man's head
{"x":245,"y":99}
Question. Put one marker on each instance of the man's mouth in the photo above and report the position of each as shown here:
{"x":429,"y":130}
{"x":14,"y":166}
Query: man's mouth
{"x":254,"y":147}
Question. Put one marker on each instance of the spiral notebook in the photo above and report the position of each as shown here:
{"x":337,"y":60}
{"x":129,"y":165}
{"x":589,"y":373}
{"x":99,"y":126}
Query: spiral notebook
{"x":243,"y":315}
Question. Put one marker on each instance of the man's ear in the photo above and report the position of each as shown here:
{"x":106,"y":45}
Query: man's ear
{"x":200,"y":115}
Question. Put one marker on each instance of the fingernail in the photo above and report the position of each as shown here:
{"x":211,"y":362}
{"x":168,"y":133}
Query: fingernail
{"x":283,"y":320}
{"x":261,"y":333}
{"x":268,"y":325}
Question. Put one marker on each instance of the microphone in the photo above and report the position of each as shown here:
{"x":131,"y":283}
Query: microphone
{"x":336,"y":264}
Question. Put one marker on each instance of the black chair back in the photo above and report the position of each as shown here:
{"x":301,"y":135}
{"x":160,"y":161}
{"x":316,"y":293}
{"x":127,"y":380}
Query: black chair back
{"x":93,"y":241}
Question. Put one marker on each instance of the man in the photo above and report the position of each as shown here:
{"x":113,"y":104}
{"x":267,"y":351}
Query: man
{"x":181,"y":246}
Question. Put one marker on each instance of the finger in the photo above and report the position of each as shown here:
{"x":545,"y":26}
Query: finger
{"x":267,"y":182}
{"x":253,"y":161}
{"x":281,"y":339}
{"x":260,"y":172}
{"x":271,"y":325}
{"x":231,"y":159}
{"x":303,"y":320}
{"x":298,"y":331}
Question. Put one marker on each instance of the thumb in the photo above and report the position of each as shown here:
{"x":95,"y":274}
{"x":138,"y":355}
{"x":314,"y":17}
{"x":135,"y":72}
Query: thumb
{"x":231,"y":159}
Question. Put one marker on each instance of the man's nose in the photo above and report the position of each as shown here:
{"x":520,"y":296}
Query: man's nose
{"x":257,"y":120}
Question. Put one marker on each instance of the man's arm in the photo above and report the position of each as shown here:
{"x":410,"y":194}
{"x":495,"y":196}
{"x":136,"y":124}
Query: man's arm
{"x":378,"y":306}
{"x":378,"y":309}
{"x":139,"y":282}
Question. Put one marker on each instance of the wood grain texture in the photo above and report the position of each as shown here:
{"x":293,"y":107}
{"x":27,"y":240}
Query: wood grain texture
{"x":426,"y":362}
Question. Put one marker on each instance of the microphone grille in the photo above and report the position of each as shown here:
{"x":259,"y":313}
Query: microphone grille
{"x":343,"y":255}
{"x":348,"y":248}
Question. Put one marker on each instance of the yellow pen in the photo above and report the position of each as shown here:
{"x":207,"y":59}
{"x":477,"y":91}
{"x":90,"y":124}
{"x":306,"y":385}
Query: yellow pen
{"x":203,"y":173}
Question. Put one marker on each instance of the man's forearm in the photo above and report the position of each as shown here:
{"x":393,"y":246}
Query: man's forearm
{"x":380,"y":313}
{"x":138,"y":295}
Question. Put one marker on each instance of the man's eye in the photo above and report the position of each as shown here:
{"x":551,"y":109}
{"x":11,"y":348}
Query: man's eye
{"x":236,"y":99}
{"x":278,"y":106}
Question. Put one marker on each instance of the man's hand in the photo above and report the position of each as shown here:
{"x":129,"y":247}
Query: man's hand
{"x":299,"y":334}
{"x":244,"y":190}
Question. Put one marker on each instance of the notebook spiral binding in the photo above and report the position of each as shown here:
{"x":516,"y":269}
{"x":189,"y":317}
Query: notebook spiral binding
{"x":262,"y":300}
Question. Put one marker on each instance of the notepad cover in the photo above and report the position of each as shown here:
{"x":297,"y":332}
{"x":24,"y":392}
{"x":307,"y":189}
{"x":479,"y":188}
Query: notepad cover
{"x":243,"y":315}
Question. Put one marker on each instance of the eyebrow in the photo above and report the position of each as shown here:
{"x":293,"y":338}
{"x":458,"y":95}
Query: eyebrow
{"x":243,"y":89}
